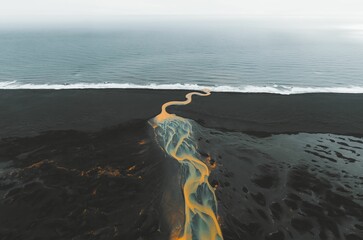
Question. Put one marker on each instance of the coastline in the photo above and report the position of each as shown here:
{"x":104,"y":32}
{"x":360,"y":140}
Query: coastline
{"x":29,"y":112}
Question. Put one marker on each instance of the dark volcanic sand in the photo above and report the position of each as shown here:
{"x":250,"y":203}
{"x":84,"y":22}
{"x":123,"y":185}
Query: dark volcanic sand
{"x":27,"y":112}
{"x":79,"y":181}
{"x":77,"y":185}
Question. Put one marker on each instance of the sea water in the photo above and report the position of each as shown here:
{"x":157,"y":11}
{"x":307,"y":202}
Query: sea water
{"x":244,"y":55}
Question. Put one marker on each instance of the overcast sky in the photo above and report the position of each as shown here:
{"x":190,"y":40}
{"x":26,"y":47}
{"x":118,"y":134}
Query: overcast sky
{"x":28,"y":10}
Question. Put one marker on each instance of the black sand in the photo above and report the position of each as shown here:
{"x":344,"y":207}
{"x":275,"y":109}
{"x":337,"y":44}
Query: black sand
{"x":27,"y":112}
{"x":83,"y":164}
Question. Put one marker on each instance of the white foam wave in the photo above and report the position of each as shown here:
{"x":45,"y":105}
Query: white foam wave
{"x":277,"y":89}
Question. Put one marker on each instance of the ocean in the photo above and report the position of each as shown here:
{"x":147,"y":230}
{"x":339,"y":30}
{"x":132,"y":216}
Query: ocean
{"x":231,"y":55}
{"x":101,"y":136}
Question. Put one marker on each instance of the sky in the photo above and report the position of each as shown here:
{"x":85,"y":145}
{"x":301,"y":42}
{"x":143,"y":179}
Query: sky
{"x":69,"y":10}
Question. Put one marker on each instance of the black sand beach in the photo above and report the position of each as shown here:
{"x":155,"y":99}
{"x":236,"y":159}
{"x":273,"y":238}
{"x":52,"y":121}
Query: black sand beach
{"x":84,"y":164}
{"x":28,"y":112}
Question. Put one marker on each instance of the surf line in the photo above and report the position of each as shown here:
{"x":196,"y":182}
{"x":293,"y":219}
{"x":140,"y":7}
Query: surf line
{"x":175,"y":136}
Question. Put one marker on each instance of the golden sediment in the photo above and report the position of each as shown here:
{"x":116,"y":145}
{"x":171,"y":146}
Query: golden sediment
{"x":164,"y":113}
{"x":175,"y":136}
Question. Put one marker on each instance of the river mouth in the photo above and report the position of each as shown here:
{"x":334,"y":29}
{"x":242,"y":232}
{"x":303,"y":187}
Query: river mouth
{"x":175,"y":137}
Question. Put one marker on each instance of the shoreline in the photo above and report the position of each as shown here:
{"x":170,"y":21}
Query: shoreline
{"x":30,"y":112}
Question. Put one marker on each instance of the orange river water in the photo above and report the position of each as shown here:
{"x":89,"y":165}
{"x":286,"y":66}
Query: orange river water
{"x":175,"y":136}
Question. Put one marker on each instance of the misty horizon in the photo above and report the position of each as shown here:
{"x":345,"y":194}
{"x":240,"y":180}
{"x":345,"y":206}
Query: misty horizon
{"x":65,"y":11}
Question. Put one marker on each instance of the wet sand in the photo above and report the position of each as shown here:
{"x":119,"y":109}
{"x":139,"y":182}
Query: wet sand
{"x":84,"y":164}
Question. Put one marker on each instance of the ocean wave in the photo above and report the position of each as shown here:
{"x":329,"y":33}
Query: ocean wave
{"x":277,"y":89}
